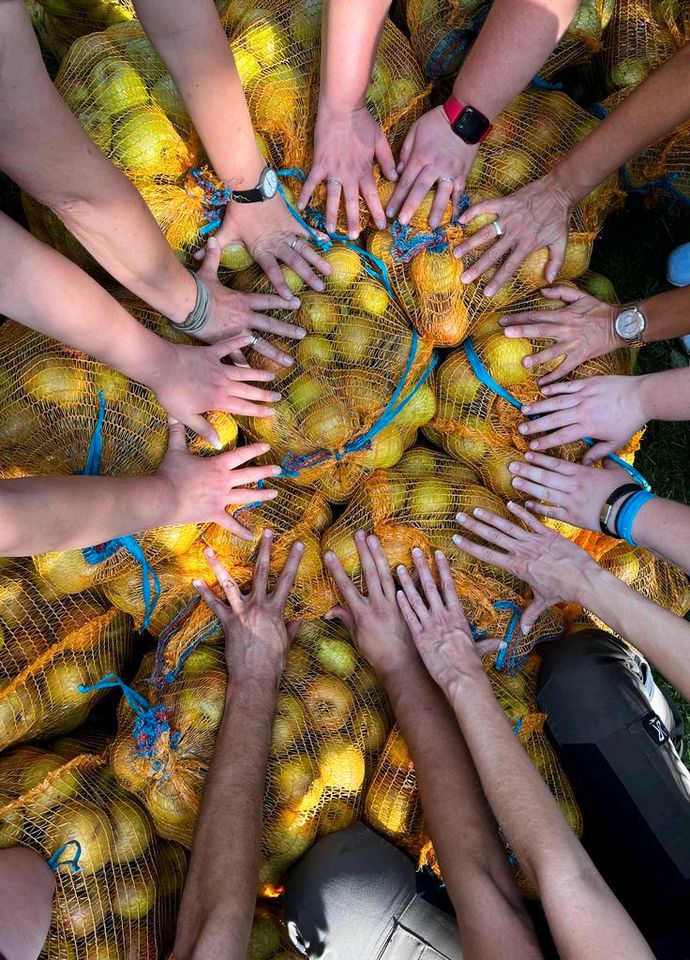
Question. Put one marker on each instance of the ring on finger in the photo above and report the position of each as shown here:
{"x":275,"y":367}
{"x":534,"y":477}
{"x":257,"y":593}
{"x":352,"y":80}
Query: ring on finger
{"x":447,"y":179}
{"x":294,"y":242}
{"x":335,"y":181}
{"x":498,"y":228}
{"x":254,"y":340}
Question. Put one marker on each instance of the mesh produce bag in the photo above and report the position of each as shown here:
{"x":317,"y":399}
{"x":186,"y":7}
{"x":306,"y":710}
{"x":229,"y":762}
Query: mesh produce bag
{"x":359,"y":389}
{"x":116,"y":886}
{"x":331,"y":722}
{"x":392,"y":803}
{"x":652,"y":576}
{"x":60,"y":22}
{"x":44,"y":698}
{"x":66,"y":414}
{"x":415,"y":505}
{"x":642,"y":35}
{"x":527,"y":139}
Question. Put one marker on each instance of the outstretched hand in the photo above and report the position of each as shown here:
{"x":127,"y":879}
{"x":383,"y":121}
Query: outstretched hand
{"x":554,"y":567}
{"x":256,"y":636}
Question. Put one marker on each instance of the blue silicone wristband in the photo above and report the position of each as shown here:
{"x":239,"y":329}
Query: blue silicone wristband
{"x":628,"y":512}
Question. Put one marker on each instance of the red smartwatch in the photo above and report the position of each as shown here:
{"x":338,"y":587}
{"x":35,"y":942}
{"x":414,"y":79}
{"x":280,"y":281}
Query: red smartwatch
{"x":467,"y":122}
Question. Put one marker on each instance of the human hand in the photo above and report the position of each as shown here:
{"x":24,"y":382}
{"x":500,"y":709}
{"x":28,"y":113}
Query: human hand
{"x":256,"y":636}
{"x":535,"y":216}
{"x":431,"y":154}
{"x":345,"y":148}
{"x":273,"y":236}
{"x":193,"y":381}
{"x":238,"y":314}
{"x":200,"y":488}
{"x":374,"y":620}
{"x":574,"y":493}
{"x":581,"y":330}
{"x":438,"y":625}
{"x":555,"y":568}
{"x":609,"y":409}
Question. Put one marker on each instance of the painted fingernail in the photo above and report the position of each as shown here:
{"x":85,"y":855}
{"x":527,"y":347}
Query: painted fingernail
{"x":478,"y":512}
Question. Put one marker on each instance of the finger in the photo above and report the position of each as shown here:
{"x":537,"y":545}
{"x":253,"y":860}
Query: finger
{"x":538,"y":490}
{"x":567,"y":435}
{"x":424,"y":182}
{"x":570,"y":363}
{"x":271,"y":268}
{"x":506,"y":270}
{"x":552,"y":421}
{"x":295,"y":258}
{"x":333,"y":191}
{"x":288,"y":574}
{"x":599,"y":451}
{"x":568,"y":386}
{"x":271,"y":352}
{"x":369,"y":568}
{"x":314,"y":258}
{"x":538,"y":323}
{"x":412,"y":594}
{"x":347,"y":589}
{"x":547,"y":510}
{"x":484,"y":206}
{"x":203,"y":428}
{"x":345,"y":616}
{"x":426,"y":579}
{"x":403,"y":188}
{"x":215,"y":605}
{"x":176,"y":437}
{"x":444,"y":190}
{"x":556,"y":258}
{"x":249,"y":475}
{"x":384,"y":157}
{"x":270,"y":301}
{"x":314,"y":178}
{"x":488,"y":259}
{"x":235,"y":458}
{"x":233,"y":526}
{"x":481,"y":524}
{"x":532,"y":614}
{"x":240,"y":497}
{"x":506,"y":526}
{"x":483,"y":553}
{"x":384,"y":571}
{"x":228,"y":585}
{"x":552,"y":404}
{"x":209,"y":268}
{"x":408,"y":613}
{"x":561,"y":292}
{"x":242,"y":390}
{"x":351,"y":198}
{"x":479,"y":239}
{"x":407,"y":148}
{"x":448,"y":589}
{"x":262,"y":564}
{"x":223,"y":348}
{"x":556,"y":350}
{"x":530,"y":521}
{"x":367,"y":189}
{"x":245,"y":408}
{"x":552,"y":464}
{"x":484,"y":647}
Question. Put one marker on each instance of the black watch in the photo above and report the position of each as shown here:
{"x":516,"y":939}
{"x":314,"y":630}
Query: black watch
{"x":266,"y":188}
{"x":468,"y":123}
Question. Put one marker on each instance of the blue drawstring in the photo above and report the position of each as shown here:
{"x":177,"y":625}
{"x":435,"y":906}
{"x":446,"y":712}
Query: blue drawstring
{"x":151,"y":720}
{"x":103,"y":551}
{"x":292,"y":465}
{"x":407,"y":243}
{"x":484,"y":377}
{"x":542,"y":84}
{"x":73,"y":863}
{"x":518,"y":726}
{"x":510,"y":630}
{"x":214,"y":202}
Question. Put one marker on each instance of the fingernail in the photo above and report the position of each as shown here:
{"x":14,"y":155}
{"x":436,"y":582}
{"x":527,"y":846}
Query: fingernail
{"x":320,"y":285}
{"x":296,"y":303}
{"x":299,"y":546}
{"x":276,"y":472}
{"x":510,"y":332}
{"x":523,"y":428}
{"x":526,"y":407}
{"x":360,"y":535}
{"x":272,"y":494}
{"x":328,"y":616}
{"x":527,"y":362}
{"x":381,"y":224}
{"x":461,"y":517}
{"x":514,"y":467}
{"x":287,"y":361}
{"x":400,"y":569}
{"x":216,"y":444}
{"x":267,"y":534}
{"x":534,"y":445}
{"x":416,"y":552}
{"x":393,"y":175}
{"x":264,"y":447}
{"x":511,"y":503}
{"x":488,"y":292}
{"x":196,"y":583}
{"x":389,"y":212}
{"x":276,"y":396}
{"x":525,"y":630}
{"x":329,"y":556}
{"x":353,"y":234}
{"x":439,"y":554}
{"x":301,"y":333}
{"x":478,"y":512}
{"x":467,"y":278}
{"x":400,"y":167}
{"x":516,"y":482}
{"x":209,"y":552}
{"x":457,"y":539}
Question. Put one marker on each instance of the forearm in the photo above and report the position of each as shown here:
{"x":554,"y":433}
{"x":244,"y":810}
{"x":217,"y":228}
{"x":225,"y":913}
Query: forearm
{"x":350,"y":37}
{"x":514,"y":43}
{"x":72,"y":308}
{"x":663,"y":526}
{"x":668,"y":315}
{"x":218,"y":902}
{"x":666,"y":395}
{"x":656,"y":107}
{"x":193,"y":46}
{"x":40,"y":514}
{"x":659,"y":635}
{"x":472,"y":857}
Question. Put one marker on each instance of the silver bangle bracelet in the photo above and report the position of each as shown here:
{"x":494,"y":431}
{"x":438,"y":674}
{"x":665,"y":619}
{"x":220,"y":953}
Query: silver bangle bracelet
{"x":196,"y":319}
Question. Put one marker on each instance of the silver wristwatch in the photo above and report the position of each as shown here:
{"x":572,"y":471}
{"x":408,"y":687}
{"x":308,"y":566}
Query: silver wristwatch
{"x":630,"y":324}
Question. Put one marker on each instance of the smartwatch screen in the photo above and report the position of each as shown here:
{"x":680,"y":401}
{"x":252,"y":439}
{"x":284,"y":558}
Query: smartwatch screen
{"x":471,"y":125}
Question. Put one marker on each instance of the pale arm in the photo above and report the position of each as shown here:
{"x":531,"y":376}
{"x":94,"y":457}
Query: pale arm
{"x":584,"y":916}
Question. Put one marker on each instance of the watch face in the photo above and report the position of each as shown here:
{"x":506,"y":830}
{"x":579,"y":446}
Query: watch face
{"x":269,"y":184}
{"x":629,"y":324}
{"x":471,"y":125}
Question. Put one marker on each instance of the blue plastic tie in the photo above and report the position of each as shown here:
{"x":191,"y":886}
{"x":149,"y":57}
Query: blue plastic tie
{"x":55,"y":860}
{"x":665,"y":184}
{"x":518,"y":726}
{"x":484,"y":377}
{"x":501,"y":656}
{"x":103,"y":551}
{"x":214,"y":202}
{"x":151,"y":720}
{"x":541,"y":84}
{"x":407,"y":243}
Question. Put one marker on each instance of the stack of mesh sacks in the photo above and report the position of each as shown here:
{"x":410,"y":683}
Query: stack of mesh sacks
{"x":442,"y":31}
{"x":527,"y":140}
{"x":642,"y":35}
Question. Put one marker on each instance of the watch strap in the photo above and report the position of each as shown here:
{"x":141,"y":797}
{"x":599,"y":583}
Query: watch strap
{"x":453,"y":108}
{"x":247,"y":196}
{"x":607,"y":507}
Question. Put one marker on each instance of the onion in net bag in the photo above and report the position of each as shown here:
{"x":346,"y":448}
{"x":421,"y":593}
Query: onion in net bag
{"x":60,"y":22}
{"x":641,"y":36}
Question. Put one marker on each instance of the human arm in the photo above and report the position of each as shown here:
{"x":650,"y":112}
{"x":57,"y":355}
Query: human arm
{"x":27,"y":886}
{"x":471,"y":855}
{"x":44,"y":150}
{"x":609,"y":409}
{"x":40,"y":514}
{"x":218,"y":900}
{"x":584,"y":916}
{"x":192,"y":43}
{"x":538,"y":214}
{"x":347,"y":139}
{"x":583,"y":328}
{"x":513,"y":44}
{"x":575,"y":493}
{"x":558,"y":571}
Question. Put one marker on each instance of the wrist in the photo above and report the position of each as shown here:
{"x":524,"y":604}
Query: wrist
{"x":155,"y":364}
{"x":185,"y":297}
{"x":252,"y":689}
{"x":244,"y":170}
{"x":647,"y":393}
{"x":468,"y":680}
{"x":591,"y":584}
{"x":333,"y":109}
{"x":564,"y":185}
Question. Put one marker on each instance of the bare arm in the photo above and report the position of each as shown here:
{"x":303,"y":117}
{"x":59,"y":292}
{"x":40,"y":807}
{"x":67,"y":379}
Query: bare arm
{"x":584,"y":916}
{"x":472,"y":857}
{"x":27,"y":885}
{"x":514,"y":43}
{"x":220,"y":893}
{"x":39,"y":514}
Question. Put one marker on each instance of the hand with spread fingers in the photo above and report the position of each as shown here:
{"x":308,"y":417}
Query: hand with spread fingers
{"x":554,"y":567}
{"x":373,"y":619}
{"x":256,"y":635}
{"x":582,"y":329}
{"x":535,"y":216}
{"x":608,"y":409}
{"x":431,"y":156}
{"x":346,"y":145}
{"x":437,"y":623}
{"x":233,"y":313}
{"x":567,"y":491}
{"x":200,"y":488}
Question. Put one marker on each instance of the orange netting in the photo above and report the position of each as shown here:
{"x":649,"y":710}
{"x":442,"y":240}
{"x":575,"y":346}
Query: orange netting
{"x":642,"y":35}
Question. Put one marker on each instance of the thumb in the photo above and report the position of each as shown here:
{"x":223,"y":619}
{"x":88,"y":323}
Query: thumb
{"x":345,"y":617}
{"x":209,"y":268}
{"x":201,"y":426}
{"x":600,"y":450}
{"x":293,"y":628}
{"x":176,"y":437}
{"x":489,"y":646}
{"x":561,"y":292}
{"x":556,"y":257}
